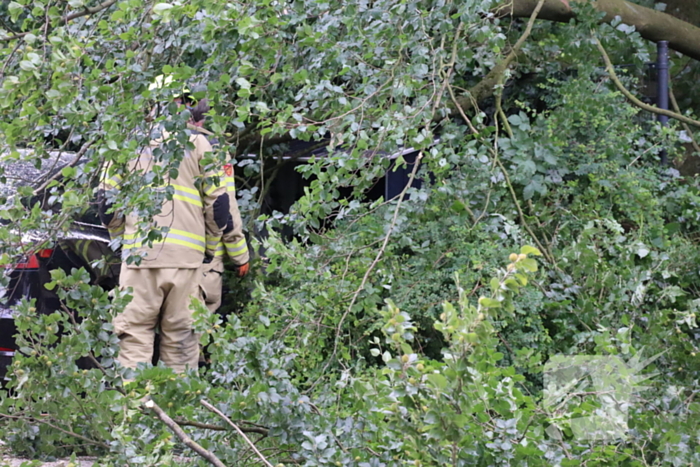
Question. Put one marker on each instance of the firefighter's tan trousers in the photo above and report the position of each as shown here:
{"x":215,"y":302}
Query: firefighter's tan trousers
{"x":212,"y":282}
{"x":161,"y":297}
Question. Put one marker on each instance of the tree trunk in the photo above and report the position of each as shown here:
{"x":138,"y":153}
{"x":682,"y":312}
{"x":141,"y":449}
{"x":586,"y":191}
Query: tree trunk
{"x":652,"y":24}
{"x":685,"y":10}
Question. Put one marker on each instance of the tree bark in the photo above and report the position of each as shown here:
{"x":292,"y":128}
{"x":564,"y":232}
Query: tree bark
{"x":685,"y":10}
{"x":653,"y":25}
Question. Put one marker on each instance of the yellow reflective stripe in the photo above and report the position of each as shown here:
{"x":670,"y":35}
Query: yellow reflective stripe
{"x":177,"y":232}
{"x":169,"y":240}
{"x":113,"y":181}
{"x":214,"y":243}
{"x":210,"y":188}
{"x":188,"y":234}
{"x":187,"y":243}
{"x":83,"y":246}
{"x":231,"y":184}
{"x":219,"y":250}
{"x":116,"y":232}
{"x":185,"y":189}
{"x":236,"y":249}
{"x":187,"y":199}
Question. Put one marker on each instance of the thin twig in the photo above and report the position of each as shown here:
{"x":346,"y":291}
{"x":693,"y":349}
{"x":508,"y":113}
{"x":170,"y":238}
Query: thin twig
{"x":90,"y":354}
{"x":175,"y":428}
{"x":544,"y":251}
{"x":209,"y":426}
{"x":9,"y":60}
{"x":485,"y":87}
{"x":674,"y":102}
{"x":460,"y":109}
{"x":81,"y":152}
{"x":380,"y":253}
{"x":70,"y":433}
{"x":445,"y":85}
{"x":649,"y":108}
{"x":240,"y":432}
{"x":84,"y":12}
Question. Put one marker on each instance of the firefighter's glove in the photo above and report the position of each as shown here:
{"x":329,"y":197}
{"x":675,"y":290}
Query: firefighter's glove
{"x":243,"y":269}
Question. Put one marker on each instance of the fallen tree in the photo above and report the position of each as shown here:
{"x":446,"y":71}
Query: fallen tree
{"x":652,"y":24}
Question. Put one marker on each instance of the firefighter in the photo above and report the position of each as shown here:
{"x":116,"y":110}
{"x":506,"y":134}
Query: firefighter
{"x":167,"y":278}
{"x":231,"y":244}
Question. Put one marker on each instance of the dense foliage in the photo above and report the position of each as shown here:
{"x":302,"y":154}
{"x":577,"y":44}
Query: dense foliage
{"x":405,"y":331}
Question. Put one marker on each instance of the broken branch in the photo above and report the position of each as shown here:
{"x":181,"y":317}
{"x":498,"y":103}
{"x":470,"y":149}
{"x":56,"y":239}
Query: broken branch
{"x":240,"y":432}
{"x":175,"y":428}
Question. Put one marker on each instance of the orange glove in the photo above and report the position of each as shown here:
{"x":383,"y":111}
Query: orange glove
{"x":243,"y":269}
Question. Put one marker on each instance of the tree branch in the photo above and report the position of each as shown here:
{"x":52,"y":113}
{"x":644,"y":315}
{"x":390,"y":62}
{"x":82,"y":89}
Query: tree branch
{"x":84,"y":12}
{"x":81,"y":152}
{"x":209,"y":426}
{"x":175,"y":428}
{"x":649,"y":108}
{"x":651,"y":24}
{"x":485,"y":87}
{"x":240,"y":432}
{"x":69,"y":433}
{"x":674,"y":102}
{"x":89,"y":11}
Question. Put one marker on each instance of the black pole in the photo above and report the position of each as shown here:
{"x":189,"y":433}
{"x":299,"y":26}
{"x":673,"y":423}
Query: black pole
{"x":662,"y":85}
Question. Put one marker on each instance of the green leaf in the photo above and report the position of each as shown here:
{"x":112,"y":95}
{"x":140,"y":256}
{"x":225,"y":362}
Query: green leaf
{"x":437,"y":380}
{"x":487,"y":302}
{"x":522,"y":278}
{"x":642,"y":250}
{"x":530,"y":250}
{"x":26,"y":65}
{"x":15,"y":10}
{"x":243,"y":83}
{"x":161,"y":8}
{"x":529,"y":264}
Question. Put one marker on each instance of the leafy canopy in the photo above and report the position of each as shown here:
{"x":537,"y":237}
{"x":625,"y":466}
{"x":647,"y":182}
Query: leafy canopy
{"x":393,"y":332}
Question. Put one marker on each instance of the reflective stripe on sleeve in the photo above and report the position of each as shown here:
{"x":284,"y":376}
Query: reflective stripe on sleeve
{"x":236,"y":249}
{"x":219,"y":250}
{"x":114,"y":181}
{"x":114,"y":233}
{"x":231,"y":184}
{"x":214,"y":243}
{"x":211,"y":187}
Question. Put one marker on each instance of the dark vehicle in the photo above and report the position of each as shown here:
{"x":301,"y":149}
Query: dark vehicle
{"x":84,"y":243}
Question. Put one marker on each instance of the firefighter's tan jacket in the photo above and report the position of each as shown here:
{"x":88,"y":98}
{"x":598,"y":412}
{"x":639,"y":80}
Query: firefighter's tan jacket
{"x":194,"y":192}
{"x":231,"y":243}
